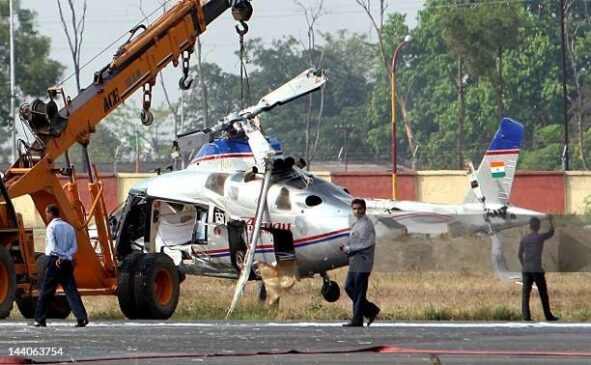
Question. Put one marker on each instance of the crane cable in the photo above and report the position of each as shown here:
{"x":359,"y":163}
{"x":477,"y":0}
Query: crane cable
{"x":244,"y":84}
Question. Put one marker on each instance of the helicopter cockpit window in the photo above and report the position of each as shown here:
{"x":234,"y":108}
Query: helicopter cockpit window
{"x":296,"y":182}
{"x":283,"y":202}
{"x":215,"y":182}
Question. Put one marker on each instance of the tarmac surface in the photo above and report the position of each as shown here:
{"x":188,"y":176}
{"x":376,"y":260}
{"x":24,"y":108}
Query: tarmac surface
{"x":219,"y":342}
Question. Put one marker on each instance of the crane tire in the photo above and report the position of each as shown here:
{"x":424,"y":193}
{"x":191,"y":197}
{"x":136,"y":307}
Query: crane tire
{"x":156,"y":286}
{"x":58,"y":308}
{"x":7,"y":282}
{"x":26,"y":305}
{"x":125,"y":285}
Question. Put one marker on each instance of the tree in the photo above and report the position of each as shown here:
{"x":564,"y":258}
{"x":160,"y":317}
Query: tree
{"x":424,"y":76}
{"x":116,"y":136}
{"x":395,"y":30}
{"x":455,"y":21}
{"x":34,"y":70}
{"x":222,"y":93}
{"x":578,"y":39}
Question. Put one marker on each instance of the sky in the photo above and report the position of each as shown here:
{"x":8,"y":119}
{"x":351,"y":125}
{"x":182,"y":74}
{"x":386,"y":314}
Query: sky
{"x":109,"y":20}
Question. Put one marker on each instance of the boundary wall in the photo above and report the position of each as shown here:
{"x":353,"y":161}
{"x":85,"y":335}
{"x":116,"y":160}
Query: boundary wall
{"x":547,"y":191}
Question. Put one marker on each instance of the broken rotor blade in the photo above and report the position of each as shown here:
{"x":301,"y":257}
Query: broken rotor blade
{"x":305,"y":83}
{"x":498,"y":260}
{"x":253,"y":243}
{"x":261,"y":149}
{"x":308,"y":81}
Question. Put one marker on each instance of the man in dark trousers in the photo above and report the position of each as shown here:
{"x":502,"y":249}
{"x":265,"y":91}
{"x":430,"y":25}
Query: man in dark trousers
{"x":530,"y":256}
{"x":60,"y":247}
{"x":361,"y":249}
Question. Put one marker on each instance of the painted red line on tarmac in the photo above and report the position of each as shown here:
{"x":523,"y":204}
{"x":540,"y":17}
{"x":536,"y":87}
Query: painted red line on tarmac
{"x":404,"y":350}
{"x":376,"y":349}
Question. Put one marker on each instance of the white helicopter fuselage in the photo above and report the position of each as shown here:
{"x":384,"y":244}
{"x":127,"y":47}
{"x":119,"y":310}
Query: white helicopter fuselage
{"x":422,"y":218}
{"x":306,"y":219}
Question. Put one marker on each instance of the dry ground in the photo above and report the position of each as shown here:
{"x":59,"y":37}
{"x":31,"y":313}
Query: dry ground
{"x":415,"y":279}
{"x":402,"y":296}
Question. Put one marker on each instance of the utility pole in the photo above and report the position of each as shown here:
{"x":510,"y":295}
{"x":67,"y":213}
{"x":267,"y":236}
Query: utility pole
{"x":12,"y":96}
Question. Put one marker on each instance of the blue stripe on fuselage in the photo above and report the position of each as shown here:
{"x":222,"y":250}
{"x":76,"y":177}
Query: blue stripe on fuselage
{"x":227,"y":146}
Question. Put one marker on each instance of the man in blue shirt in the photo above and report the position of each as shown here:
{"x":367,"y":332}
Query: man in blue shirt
{"x":60,"y":247}
{"x":530,"y":256}
{"x":361,"y":250}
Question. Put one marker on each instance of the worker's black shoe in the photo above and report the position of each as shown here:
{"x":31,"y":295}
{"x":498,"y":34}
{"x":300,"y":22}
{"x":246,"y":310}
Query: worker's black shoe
{"x":552,"y":319}
{"x":82,"y":323}
{"x":372,"y":318}
{"x":40,"y":324}
{"x":353,"y":324}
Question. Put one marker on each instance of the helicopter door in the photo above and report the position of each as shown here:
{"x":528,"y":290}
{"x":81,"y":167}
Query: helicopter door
{"x":237,"y":242}
{"x":283,"y":245}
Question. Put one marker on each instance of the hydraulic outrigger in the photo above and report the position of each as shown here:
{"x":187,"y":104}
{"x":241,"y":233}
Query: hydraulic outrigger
{"x":135,"y":65}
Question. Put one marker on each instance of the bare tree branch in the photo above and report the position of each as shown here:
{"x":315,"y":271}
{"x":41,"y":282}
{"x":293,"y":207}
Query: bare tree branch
{"x":319,"y":124}
{"x":80,"y":29}
{"x":378,"y":26}
{"x":75,"y":35}
{"x":312,"y":15}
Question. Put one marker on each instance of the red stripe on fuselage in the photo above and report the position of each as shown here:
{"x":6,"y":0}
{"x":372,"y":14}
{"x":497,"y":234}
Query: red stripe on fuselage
{"x":227,"y":155}
{"x":502,"y":152}
{"x":298,"y":242}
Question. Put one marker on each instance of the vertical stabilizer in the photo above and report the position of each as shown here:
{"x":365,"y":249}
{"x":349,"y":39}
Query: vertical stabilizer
{"x":497,"y":169}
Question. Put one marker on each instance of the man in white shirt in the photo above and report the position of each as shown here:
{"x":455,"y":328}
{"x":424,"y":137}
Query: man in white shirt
{"x":60,"y":247}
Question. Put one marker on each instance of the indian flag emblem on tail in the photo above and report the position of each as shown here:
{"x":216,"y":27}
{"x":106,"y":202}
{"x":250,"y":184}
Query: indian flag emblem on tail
{"x":497,"y":169}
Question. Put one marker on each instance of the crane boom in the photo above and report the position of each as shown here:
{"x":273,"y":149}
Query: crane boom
{"x":170,"y":39}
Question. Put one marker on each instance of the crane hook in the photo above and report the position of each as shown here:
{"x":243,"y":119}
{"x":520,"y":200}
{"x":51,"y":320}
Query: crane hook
{"x":241,"y":31}
{"x":183,"y":84}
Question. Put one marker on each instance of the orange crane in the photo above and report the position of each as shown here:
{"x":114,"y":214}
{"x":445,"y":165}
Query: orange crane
{"x":170,"y":39}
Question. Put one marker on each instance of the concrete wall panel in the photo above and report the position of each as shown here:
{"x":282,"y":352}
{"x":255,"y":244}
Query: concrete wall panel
{"x":578,"y":191}
{"x":365,"y":184}
{"x":444,"y":187}
{"x":126,"y":181}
